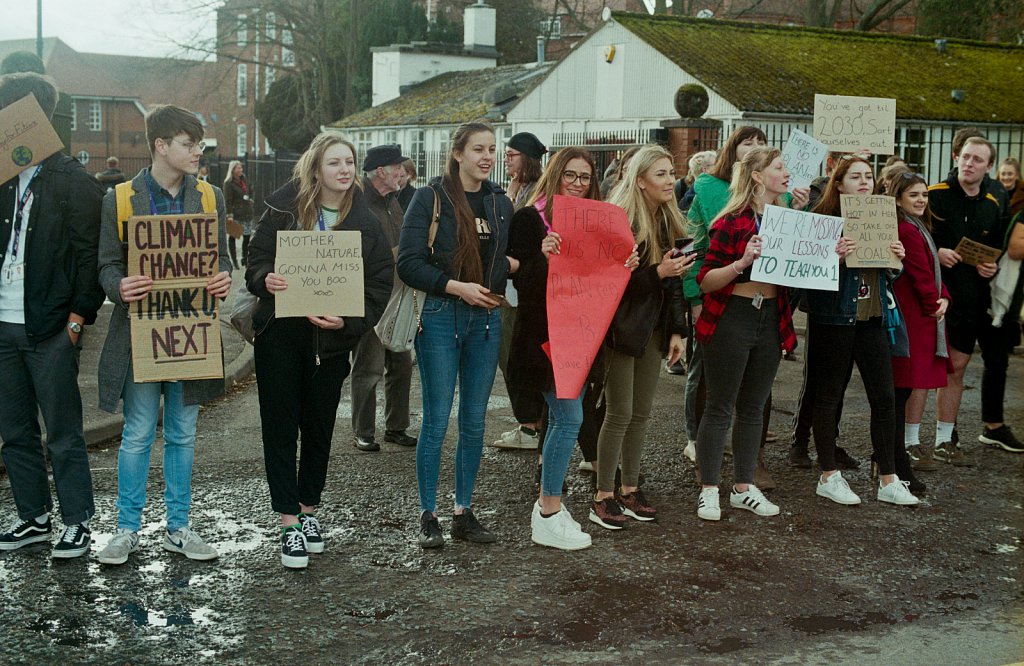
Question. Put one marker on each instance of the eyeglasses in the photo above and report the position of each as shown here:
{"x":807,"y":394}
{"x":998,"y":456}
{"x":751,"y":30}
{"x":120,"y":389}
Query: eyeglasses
{"x":512,"y":153}
{"x":190,"y":146}
{"x":570,"y":177}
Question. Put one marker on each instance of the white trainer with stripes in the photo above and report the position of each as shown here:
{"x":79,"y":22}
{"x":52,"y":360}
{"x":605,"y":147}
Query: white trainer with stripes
{"x":753,"y":500}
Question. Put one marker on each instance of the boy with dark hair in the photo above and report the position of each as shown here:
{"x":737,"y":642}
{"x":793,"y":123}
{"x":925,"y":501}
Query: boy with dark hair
{"x":169,"y":186}
{"x":48,"y":292}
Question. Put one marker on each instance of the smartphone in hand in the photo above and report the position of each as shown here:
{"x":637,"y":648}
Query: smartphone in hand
{"x":684,"y":247}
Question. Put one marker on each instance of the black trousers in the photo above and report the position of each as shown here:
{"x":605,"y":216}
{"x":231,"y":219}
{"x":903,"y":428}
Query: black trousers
{"x":297,"y":397}
{"x":805,"y":407}
{"x":831,"y":350}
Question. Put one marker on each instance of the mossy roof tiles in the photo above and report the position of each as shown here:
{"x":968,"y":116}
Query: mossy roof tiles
{"x":447,"y":99}
{"x":778,"y":69}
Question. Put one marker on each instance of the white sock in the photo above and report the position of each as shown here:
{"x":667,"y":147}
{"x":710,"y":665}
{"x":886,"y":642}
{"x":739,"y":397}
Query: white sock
{"x":943,"y":432}
{"x":911,"y":434}
{"x":41,"y":520}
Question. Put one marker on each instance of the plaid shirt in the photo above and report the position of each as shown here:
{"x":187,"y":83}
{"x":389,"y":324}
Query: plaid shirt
{"x":163,"y":201}
{"x":728,"y":240}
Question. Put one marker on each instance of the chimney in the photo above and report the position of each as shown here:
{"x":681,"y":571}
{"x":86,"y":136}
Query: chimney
{"x":479,"y":22}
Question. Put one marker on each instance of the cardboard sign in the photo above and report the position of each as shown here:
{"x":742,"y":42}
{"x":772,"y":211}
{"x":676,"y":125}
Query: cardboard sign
{"x":324,"y":270}
{"x":803,"y":156}
{"x":798,"y":250}
{"x":585,"y":283}
{"x":973,"y":253}
{"x":870,"y":220}
{"x":848,"y":124}
{"x":176,"y":327}
{"x":26,"y":137}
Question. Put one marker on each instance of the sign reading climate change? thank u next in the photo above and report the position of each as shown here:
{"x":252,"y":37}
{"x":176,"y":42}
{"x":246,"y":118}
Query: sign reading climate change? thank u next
{"x":175,"y":328}
{"x":798,"y":249}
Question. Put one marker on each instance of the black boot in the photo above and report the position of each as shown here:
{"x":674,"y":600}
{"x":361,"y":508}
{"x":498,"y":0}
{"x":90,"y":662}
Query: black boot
{"x":233,"y":251}
{"x":906,"y":472}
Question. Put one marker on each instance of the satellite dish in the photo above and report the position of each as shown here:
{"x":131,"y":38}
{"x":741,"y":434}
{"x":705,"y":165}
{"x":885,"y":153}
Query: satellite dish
{"x":705,"y":14}
{"x":606,"y":14}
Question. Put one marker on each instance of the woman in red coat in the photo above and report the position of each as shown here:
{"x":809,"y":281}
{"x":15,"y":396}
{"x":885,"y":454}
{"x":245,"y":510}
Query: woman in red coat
{"x":923,"y":299}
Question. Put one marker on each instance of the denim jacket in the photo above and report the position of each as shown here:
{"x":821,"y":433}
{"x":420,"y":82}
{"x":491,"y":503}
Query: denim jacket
{"x":839,"y":308}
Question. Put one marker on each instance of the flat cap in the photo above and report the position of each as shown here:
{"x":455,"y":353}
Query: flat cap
{"x":385,"y":155}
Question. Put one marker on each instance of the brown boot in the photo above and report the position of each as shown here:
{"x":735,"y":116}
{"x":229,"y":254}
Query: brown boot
{"x":762,"y":477}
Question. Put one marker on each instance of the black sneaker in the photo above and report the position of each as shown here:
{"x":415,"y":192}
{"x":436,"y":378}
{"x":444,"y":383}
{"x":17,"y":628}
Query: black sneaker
{"x":677,"y":368}
{"x":399,"y":437}
{"x":311,"y":530}
{"x":466,"y":527}
{"x":24,"y":532}
{"x":366,"y":444}
{"x":430,"y":531}
{"x":74,"y":542}
{"x":798,"y":457}
{"x":844,"y":460}
{"x":293,"y":547}
{"x":1001,"y":437}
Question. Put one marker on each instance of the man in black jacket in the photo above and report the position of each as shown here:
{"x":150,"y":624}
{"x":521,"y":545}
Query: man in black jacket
{"x":370,"y":360}
{"x":969,"y":204}
{"x":49,"y":231}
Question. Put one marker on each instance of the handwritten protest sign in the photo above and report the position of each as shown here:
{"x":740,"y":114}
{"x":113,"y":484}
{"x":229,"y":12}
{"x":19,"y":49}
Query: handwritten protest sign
{"x":324,"y":270}
{"x":870,"y":220}
{"x":973,"y":253}
{"x":848,"y":124}
{"x":26,"y":137}
{"x":585,"y":283}
{"x":175,"y":329}
{"x":798,"y":249}
{"x":803,"y":156}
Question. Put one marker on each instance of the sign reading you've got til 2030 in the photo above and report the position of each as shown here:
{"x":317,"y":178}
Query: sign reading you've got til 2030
{"x":798,"y":249}
{"x":175,"y":329}
{"x":850,"y":124}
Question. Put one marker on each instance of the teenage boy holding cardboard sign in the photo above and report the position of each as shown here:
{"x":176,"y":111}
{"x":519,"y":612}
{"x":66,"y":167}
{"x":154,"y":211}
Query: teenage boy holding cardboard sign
{"x":169,"y":186}
{"x":48,"y":291}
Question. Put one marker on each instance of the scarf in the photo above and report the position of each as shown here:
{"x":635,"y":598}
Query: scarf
{"x":941,"y":349}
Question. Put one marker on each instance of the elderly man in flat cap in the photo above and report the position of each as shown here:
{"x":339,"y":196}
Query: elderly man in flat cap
{"x":370,"y":360}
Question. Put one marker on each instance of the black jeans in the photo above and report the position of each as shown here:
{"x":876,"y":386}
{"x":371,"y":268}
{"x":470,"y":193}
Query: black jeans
{"x":740,"y":362}
{"x":830,"y":351}
{"x":805,"y":406}
{"x":296,"y":396}
{"x":43,"y":377}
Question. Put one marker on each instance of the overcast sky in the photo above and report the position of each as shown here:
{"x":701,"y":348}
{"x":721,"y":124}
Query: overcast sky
{"x":133,"y":27}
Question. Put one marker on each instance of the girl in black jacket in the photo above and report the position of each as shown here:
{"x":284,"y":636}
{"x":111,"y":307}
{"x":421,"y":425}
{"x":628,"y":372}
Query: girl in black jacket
{"x":301,"y":362}
{"x":649,"y":323}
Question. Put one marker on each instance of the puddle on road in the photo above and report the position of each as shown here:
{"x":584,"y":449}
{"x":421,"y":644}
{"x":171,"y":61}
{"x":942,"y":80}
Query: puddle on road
{"x":143,"y":617}
{"x":820,"y":624}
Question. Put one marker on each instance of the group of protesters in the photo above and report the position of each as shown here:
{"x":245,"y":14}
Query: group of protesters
{"x":480,"y":255}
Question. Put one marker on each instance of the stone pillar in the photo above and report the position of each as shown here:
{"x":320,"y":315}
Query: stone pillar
{"x":687,"y":136}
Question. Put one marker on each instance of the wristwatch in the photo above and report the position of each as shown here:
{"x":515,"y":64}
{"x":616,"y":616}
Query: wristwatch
{"x":75,"y":327}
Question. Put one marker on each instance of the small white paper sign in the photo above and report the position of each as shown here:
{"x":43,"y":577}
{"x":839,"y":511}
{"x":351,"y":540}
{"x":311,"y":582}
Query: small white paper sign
{"x":848,"y":124}
{"x":798,"y":250}
{"x":803,"y":156}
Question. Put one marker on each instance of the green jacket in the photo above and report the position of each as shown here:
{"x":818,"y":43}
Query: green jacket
{"x":711,"y":195}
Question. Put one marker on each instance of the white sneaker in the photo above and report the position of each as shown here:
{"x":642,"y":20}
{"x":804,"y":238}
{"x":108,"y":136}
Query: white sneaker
{"x":837,"y":489}
{"x":558,"y":531}
{"x":691,"y":450}
{"x":586,"y":466}
{"x":188,"y":543}
{"x":517,"y":439}
{"x":122,"y":544}
{"x":897,"y":492}
{"x":707,"y":505}
{"x":753,"y":500}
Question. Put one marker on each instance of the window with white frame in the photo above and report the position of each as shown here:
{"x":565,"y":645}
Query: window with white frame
{"x":271,"y":23}
{"x":242,"y":86}
{"x":364,"y":141}
{"x":390,"y":136}
{"x":74,"y":115}
{"x":287,"y":55}
{"x":243,"y":30}
{"x":95,"y":116}
{"x":417,"y":149}
{"x":268,"y":78}
{"x":241,"y":139}
{"x":554,"y":24}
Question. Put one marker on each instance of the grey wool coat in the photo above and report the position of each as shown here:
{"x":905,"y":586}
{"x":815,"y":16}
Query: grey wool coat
{"x":116,"y":358}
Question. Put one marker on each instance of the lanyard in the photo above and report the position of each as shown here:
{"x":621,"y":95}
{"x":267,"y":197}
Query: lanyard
{"x":22,"y":202}
{"x":320,"y":220}
{"x":757,"y":223}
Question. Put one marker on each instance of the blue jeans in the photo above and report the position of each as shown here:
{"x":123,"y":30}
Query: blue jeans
{"x":141,"y":409}
{"x":564,"y":420}
{"x":460,"y":343}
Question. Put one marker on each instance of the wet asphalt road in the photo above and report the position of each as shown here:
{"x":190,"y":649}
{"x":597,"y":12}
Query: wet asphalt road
{"x":820,"y":583}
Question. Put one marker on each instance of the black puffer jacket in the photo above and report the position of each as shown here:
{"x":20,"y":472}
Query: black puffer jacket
{"x":378,"y":267}
{"x":648,"y":303}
